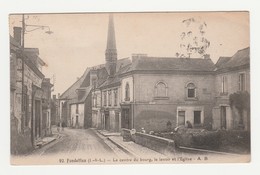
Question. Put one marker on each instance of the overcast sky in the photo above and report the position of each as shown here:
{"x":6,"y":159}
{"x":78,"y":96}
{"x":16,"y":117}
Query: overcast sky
{"x":79,"y":40}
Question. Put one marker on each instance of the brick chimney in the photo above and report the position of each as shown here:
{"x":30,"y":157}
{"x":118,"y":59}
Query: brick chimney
{"x":18,"y":35}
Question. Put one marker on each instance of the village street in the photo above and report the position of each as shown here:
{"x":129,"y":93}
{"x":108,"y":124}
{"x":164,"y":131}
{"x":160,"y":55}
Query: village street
{"x":80,"y":142}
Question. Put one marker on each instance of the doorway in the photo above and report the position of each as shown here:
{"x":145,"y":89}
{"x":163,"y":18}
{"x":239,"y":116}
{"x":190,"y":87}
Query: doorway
{"x":223,"y":117}
{"x":107,"y":122}
{"x":197,"y":117}
{"x":117,"y":121}
{"x":125,"y":122}
{"x":37,"y":119}
{"x":181,"y":118}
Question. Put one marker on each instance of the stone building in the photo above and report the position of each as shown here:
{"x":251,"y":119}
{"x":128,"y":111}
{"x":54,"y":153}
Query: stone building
{"x":27,"y":127}
{"x":159,"y":90}
{"x":81,"y":103}
{"x":46,"y":107}
{"x":54,"y":110}
{"x":151,"y":92}
{"x":232,"y":77}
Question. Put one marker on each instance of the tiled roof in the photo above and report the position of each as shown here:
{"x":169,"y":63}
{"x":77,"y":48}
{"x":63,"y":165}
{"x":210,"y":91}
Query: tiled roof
{"x":71,"y":91}
{"x":241,"y":58}
{"x":169,"y":64}
{"x":74,"y":99}
{"x":122,"y":66}
{"x":222,"y":61}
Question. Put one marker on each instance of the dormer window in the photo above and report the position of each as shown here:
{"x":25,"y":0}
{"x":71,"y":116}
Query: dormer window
{"x":94,"y":82}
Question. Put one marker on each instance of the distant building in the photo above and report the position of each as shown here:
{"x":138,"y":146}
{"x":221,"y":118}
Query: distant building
{"x":46,"y":107}
{"x":54,"y":110}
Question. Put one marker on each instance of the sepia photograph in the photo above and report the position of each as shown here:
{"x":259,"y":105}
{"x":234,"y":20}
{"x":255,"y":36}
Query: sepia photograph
{"x":130,"y":88}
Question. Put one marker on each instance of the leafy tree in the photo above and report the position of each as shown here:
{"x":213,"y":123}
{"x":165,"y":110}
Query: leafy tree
{"x":241,"y":101}
{"x":193,"y":39}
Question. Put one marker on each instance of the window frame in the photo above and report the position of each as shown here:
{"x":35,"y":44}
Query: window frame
{"x":242,"y":86}
{"x":200,"y":119}
{"x":127,"y":92}
{"x":109,"y":98}
{"x":194,"y":88}
{"x":158,"y":96}
{"x":105,"y":98}
{"x":115,"y":96}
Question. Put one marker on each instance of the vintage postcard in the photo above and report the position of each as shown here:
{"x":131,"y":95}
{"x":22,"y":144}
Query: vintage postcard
{"x":130,"y":88}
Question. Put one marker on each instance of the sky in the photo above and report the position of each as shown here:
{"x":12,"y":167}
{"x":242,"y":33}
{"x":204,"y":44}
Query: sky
{"x":78,"y":40}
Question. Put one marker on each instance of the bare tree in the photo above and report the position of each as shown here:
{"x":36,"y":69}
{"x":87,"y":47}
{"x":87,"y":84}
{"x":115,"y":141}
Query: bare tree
{"x":193,"y":40}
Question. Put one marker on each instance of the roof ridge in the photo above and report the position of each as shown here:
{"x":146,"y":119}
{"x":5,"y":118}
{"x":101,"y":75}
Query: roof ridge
{"x":84,"y":74}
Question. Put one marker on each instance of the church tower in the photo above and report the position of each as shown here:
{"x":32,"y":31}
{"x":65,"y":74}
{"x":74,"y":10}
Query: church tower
{"x":111,"y":52}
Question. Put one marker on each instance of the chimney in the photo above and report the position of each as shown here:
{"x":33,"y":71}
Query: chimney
{"x":18,"y":35}
{"x":54,"y":97}
{"x":206,"y":56}
{"x":58,"y":95}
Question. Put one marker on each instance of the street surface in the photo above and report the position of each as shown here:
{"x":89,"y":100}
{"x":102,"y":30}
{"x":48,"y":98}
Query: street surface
{"x":87,"y":146}
{"x":75,"y":141}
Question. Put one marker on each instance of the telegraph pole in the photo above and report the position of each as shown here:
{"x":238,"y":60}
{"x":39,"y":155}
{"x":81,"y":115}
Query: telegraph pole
{"x":23,"y":59}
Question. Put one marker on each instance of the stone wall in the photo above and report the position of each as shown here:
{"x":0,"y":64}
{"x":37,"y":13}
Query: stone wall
{"x":162,"y":145}
{"x":159,"y":144}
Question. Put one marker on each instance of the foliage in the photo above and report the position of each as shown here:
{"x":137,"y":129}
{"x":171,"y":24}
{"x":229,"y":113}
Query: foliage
{"x":193,"y":39}
{"x":240,"y":100}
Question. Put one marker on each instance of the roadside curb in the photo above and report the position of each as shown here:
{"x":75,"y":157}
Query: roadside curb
{"x":58,"y":136}
{"x":120,"y":146}
{"x":123,"y":148}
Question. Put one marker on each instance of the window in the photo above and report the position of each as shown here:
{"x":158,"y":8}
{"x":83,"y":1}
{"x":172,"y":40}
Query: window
{"x":191,"y":92}
{"x":242,"y":82}
{"x":127,"y":92}
{"x":181,"y":117}
{"x":197,"y":117}
{"x":224,"y":85}
{"x":94,"y":101}
{"x":94,"y":82}
{"x":105,"y":98}
{"x":161,"y":89}
{"x":77,"y":108}
{"x":109,"y":98}
{"x":115,"y":97}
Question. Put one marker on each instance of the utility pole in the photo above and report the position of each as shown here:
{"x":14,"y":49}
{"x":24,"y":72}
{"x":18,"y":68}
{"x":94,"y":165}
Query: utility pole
{"x":23,"y":59}
{"x":23,"y":97}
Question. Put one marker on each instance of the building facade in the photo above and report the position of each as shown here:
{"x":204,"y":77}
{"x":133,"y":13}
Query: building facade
{"x":30,"y":111}
{"x":153,"y":92}
{"x":232,"y":80}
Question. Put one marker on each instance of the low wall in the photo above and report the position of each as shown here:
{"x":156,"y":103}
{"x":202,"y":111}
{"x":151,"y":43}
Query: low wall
{"x":128,"y":135}
{"x":159,"y":144}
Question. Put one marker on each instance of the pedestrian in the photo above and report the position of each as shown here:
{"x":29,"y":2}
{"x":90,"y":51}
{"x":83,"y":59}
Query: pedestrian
{"x":189,"y":125}
{"x":63,"y":125}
